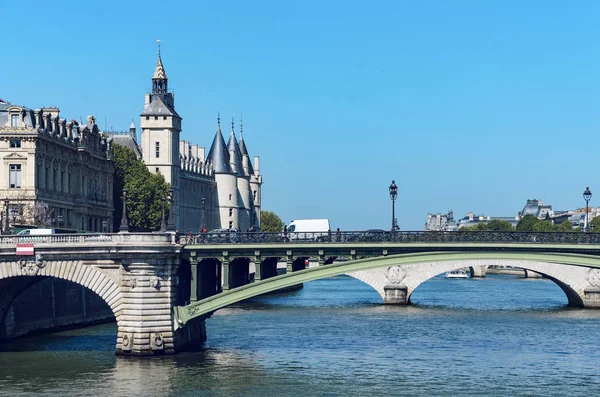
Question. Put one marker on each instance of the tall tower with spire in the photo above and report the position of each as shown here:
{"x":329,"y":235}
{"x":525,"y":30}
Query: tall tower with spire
{"x":161,"y":127}
{"x":255,"y":179}
{"x":226,"y":177}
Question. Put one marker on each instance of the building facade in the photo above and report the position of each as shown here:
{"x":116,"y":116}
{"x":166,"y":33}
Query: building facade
{"x":55,"y":173}
{"x":221,"y":190}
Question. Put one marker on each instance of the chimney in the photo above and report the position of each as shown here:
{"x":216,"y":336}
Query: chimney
{"x":63,"y":130}
{"x":256,"y":165}
{"x":39,"y":118}
{"x":201,"y":154}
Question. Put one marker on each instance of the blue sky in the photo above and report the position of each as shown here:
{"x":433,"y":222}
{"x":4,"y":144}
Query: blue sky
{"x":468,"y":105}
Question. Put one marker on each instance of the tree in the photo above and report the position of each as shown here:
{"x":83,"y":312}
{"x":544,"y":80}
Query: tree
{"x":565,"y":226}
{"x":527,"y":223}
{"x":270,"y":222}
{"x":145,"y":191}
{"x":595,"y":225}
{"x":498,"y":225}
{"x":543,"y":226}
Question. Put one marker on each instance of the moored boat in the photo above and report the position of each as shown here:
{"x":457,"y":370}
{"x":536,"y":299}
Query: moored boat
{"x":457,"y":274}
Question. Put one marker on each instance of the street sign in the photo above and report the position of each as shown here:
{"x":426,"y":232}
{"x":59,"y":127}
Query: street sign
{"x":25,"y":249}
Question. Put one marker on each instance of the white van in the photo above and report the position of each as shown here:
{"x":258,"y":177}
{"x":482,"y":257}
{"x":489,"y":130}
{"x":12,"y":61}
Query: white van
{"x":36,"y":232}
{"x":308,"y":229}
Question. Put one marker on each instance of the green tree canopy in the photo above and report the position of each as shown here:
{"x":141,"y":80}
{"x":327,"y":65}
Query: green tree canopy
{"x":565,"y":226}
{"x":527,"y":223}
{"x":543,"y":226}
{"x":270,"y":222}
{"x":498,"y":225}
{"x":595,"y":225}
{"x":144,"y":191}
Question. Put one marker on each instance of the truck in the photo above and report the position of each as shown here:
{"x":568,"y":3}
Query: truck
{"x":307,"y":229}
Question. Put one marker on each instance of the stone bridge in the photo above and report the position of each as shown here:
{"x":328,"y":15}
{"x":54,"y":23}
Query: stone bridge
{"x":161,"y":290}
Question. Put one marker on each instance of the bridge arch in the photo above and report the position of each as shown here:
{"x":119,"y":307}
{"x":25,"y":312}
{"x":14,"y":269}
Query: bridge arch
{"x":572,"y":272}
{"x":29,"y":271}
{"x":571,"y":279}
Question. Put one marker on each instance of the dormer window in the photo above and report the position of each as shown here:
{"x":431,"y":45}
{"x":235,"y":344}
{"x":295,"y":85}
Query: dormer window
{"x":14,"y":120}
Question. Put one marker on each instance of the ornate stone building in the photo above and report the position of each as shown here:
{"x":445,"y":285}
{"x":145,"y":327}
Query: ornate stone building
{"x":54,"y":173}
{"x":218,"y":190}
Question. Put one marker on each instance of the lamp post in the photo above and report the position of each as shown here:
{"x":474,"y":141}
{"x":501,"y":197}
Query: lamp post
{"x":587,"y":196}
{"x":171,"y":224}
{"x":163,"y":223}
{"x":202,"y":227}
{"x":124,"y":228}
{"x":393,"y":195}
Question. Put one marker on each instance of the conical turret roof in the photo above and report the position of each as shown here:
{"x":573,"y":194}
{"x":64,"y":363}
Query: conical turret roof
{"x":244,"y":152}
{"x":232,"y":145}
{"x":218,"y":154}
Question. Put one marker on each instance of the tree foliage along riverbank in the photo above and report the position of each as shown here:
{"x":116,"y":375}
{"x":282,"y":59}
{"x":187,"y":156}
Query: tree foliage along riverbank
{"x":270,"y":222}
{"x":145,"y":191}
{"x":529,"y":223}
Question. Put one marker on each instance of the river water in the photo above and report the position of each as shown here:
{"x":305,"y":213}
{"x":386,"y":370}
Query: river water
{"x":495,"y":336}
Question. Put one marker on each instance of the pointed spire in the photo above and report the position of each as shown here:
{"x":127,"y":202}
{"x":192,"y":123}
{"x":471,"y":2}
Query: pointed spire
{"x":233,"y":146}
{"x":243,"y":149}
{"x":132,"y":126}
{"x":218,"y":154}
{"x":241,"y":126}
{"x":159,"y":72}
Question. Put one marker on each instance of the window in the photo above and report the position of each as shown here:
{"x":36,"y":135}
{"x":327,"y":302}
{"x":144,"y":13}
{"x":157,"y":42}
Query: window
{"x":155,"y":117}
{"x":14,"y":120}
{"x":15,"y":176}
{"x":157,"y":149}
{"x":230,"y":212}
{"x":231,"y":224}
{"x":147,"y":117}
{"x":164,"y":117}
{"x":230,"y":197}
{"x":15,"y":143}
{"x":254,"y":194}
{"x":157,"y":170}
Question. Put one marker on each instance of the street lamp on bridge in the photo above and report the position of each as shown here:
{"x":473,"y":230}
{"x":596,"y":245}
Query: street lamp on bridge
{"x":393,"y":195}
{"x":587,"y":196}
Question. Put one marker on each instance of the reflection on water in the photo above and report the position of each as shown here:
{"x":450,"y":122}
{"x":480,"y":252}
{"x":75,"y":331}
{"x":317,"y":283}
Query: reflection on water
{"x":494,"y":336}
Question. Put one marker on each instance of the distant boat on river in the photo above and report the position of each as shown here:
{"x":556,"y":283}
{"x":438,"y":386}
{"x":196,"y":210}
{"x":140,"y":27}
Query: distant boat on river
{"x":457,"y":274}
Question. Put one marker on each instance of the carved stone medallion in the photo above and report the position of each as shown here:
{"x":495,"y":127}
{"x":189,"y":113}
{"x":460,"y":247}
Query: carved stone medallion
{"x":593,"y":277}
{"x":395,"y":274}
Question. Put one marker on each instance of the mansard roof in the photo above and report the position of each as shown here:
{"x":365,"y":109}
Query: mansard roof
{"x":218,"y":154}
{"x":157,"y":107}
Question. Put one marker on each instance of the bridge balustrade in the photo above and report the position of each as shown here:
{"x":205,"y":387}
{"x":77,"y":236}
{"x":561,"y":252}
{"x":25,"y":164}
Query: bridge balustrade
{"x":393,"y":237}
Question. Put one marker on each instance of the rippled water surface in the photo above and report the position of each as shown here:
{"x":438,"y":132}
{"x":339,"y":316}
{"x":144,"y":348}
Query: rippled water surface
{"x":495,"y":336}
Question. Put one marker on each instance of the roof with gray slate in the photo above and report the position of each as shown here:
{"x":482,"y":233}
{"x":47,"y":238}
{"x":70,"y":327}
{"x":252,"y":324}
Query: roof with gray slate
{"x":233,"y":145}
{"x":218,"y":154}
{"x":157,"y":107}
{"x":128,"y":141}
{"x":244,"y":151}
